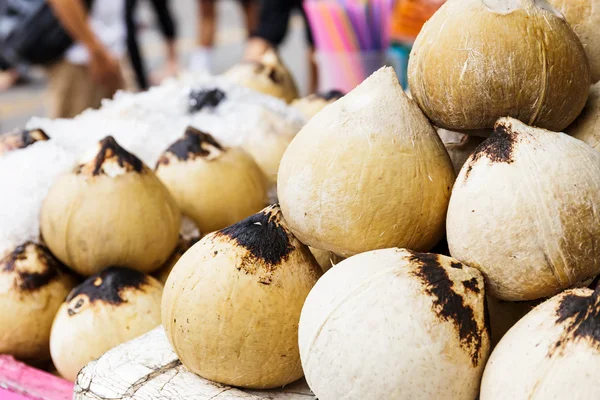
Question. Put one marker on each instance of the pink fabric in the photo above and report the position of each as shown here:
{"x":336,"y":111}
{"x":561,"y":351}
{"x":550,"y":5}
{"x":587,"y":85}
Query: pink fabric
{"x":22,"y":382}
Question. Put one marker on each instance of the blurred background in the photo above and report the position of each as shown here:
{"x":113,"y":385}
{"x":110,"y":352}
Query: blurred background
{"x":350,"y":39}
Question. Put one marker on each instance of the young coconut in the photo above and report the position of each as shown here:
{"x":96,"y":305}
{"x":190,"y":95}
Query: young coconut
{"x":367,"y":172}
{"x":268,"y":75}
{"x":551,"y":353}
{"x":21,"y":139}
{"x":33,"y":285}
{"x":325,"y":259}
{"x":395,"y":324}
{"x":587,"y":126}
{"x":110,"y":210}
{"x":183,"y":245}
{"x":476,"y":61}
{"x":309,"y":106}
{"x":584,"y":17}
{"x":232,"y":303}
{"x":459,"y":146}
{"x":213,"y":185}
{"x":523,"y":211}
{"x":110,"y":308}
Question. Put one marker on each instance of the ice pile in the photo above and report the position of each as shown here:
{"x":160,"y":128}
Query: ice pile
{"x":144,"y":124}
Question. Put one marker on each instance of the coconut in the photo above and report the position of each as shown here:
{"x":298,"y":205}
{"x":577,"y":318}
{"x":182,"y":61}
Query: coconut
{"x":21,"y":139}
{"x":505,"y":314}
{"x":183,"y":245}
{"x":110,"y":210}
{"x":312,"y":104}
{"x":232,"y":303}
{"x":584,"y":17}
{"x":367,"y":172}
{"x":325,"y":259}
{"x":551,"y":353}
{"x":213,"y":185}
{"x":476,"y":61}
{"x":33,"y":285}
{"x":268,"y":142}
{"x":459,"y":146}
{"x":110,"y":308}
{"x":587,"y":126}
{"x":523,"y":211}
{"x":395,"y":324}
{"x":268,"y":75}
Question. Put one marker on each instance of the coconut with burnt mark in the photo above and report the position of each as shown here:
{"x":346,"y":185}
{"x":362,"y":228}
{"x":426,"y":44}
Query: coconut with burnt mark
{"x":231,"y":304}
{"x":213,"y":185}
{"x":21,"y":139}
{"x":551,"y":353}
{"x":33,"y":285}
{"x":110,"y":210}
{"x":109,"y":308}
{"x":395,"y":324}
{"x":367,"y":172}
{"x":476,"y":61}
{"x":523,"y":211}
{"x":310,"y":105}
{"x":267,"y":75}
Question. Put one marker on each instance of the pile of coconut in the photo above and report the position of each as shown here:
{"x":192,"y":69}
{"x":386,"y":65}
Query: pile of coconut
{"x":437,"y":245}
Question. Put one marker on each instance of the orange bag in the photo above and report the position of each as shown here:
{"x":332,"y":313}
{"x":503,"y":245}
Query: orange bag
{"x":409,"y":16}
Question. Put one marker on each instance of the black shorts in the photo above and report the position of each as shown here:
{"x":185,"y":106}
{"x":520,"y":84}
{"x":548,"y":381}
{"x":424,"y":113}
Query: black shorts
{"x":275,"y":18}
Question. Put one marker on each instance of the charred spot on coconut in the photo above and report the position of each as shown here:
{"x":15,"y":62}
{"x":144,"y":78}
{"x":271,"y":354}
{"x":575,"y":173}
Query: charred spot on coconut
{"x":21,"y":139}
{"x":580,"y":316}
{"x":263,"y":236}
{"x":30,"y":136}
{"x":194,"y":143}
{"x":198,"y":99}
{"x":274,"y":77}
{"x":498,"y":148}
{"x":32,"y":281}
{"x":331,"y":95}
{"x":110,"y":150}
{"x":472,"y":285}
{"x":106,"y":287}
{"x":448,"y":304}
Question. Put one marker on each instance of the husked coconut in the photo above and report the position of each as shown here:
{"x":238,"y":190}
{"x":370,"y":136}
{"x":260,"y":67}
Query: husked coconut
{"x":459,"y":146}
{"x":215,"y":186}
{"x":312,"y":104}
{"x":325,"y":259}
{"x":33,"y":285}
{"x":268,"y":75}
{"x":232,"y":303}
{"x":110,"y":210}
{"x":21,"y":139}
{"x":523,"y":211}
{"x":505,"y":314}
{"x":183,"y":245}
{"x":268,"y":142}
{"x":551,"y":353}
{"x":587,"y":126}
{"x":584,"y":17}
{"x":110,"y":308}
{"x":367,"y":172}
{"x":395,"y":324}
{"x":476,"y":61}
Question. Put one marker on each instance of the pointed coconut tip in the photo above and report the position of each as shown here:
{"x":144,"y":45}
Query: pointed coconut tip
{"x":34,"y":266}
{"x":192,"y":145}
{"x":109,"y":158}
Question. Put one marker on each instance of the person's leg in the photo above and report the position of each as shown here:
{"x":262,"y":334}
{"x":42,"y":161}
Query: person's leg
{"x":272,"y":27}
{"x":200,"y":58}
{"x":133,"y":49}
{"x":313,"y":72}
{"x":169,"y":31}
{"x":251,"y":14}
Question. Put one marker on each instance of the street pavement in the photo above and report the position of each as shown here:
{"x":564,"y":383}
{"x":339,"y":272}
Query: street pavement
{"x":22,"y":102}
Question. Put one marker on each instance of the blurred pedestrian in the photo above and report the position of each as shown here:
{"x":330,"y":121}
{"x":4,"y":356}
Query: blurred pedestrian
{"x":201,"y":57}
{"x":9,"y":75}
{"x":90,"y":69}
{"x":273,"y":22}
{"x":168,"y":30}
